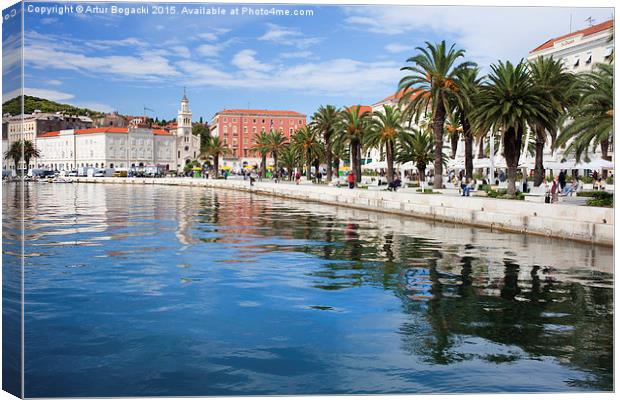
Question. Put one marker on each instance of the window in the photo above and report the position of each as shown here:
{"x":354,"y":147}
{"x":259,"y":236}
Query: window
{"x":245,"y":129}
{"x":245,"y":141}
{"x":234,"y":119}
{"x":576,"y":62}
{"x":291,"y":131}
{"x":608,"y":52}
{"x":589,"y":59}
{"x":225,"y":119}
{"x":263,"y":120}
{"x":234,"y":130}
{"x":254,"y":129}
{"x":254,"y":120}
{"x":225,"y":129}
{"x":301,"y":122}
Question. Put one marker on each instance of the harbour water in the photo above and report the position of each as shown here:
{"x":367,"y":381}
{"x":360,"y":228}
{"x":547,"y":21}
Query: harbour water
{"x":137,"y":290}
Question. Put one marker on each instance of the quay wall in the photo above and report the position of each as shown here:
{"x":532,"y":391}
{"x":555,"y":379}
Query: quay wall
{"x":580,"y":223}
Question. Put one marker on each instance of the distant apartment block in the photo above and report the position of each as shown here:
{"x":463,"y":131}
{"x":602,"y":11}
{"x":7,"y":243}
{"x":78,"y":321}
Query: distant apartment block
{"x":238,"y":127}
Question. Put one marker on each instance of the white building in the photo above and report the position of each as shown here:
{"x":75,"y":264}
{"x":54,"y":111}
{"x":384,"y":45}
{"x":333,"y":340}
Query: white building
{"x":579,"y":50}
{"x":106,"y":147}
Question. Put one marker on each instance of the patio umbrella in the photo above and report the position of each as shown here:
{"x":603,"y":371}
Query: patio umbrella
{"x":595,"y":165}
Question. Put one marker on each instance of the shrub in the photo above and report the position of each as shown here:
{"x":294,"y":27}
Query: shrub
{"x":586,"y":193}
{"x":610,"y":180}
{"x":586,"y":179}
{"x":426,"y":191}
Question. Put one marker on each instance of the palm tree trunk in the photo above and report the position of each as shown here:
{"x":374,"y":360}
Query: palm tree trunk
{"x":389,"y":155}
{"x":421,"y":172}
{"x":539,"y":173}
{"x":481,"y":147}
{"x":308,"y":166}
{"x":263,"y":166}
{"x":216,"y":165}
{"x":439,"y":118}
{"x":454,"y":143}
{"x":469,"y":151}
{"x":512,"y":147}
{"x":605,"y":155}
{"x":328,"y":156}
{"x":354,"y":160}
{"x":275,"y":162}
{"x":337,"y":167}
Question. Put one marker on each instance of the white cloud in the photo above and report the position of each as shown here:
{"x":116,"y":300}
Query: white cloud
{"x":182,"y":51}
{"x":288,"y":36}
{"x":338,"y":77}
{"x":54,"y":82}
{"x":298,"y":54}
{"x":397,"y":48}
{"x":486,"y":33}
{"x":246,"y":60}
{"x":208,"y":50}
{"x":213,"y":35}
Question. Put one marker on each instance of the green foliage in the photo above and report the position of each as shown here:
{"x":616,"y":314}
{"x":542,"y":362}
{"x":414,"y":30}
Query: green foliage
{"x":601,"y":199}
{"x":426,"y":191}
{"x":610,"y":180}
{"x":32,"y":103}
{"x":586,"y":179}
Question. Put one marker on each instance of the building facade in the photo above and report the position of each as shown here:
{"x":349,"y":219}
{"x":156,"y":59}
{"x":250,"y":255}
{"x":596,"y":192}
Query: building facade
{"x":238,"y":127}
{"x":581,"y":50}
{"x":106,"y":147}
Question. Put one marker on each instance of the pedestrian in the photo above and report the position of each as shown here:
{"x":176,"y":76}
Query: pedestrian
{"x":562,"y":179}
{"x":351,"y":180}
{"x":297,"y":177}
{"x":319,"y":175}
{"x":555,"y":188}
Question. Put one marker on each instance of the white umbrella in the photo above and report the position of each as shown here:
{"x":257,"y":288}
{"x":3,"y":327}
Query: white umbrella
{"x":559,"y":165}
{"x":408,"y":165}
{"x":456,"y":163}
{"x":375,"y":165}
{"x":595,"y":164}
{"x":486,"y":163}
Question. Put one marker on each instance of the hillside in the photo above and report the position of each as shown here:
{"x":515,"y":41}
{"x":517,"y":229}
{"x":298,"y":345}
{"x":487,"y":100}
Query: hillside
{"x":32,"y":103}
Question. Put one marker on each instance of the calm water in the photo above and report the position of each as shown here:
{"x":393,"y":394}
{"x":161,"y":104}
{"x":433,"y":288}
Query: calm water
{"x":155,"y":290}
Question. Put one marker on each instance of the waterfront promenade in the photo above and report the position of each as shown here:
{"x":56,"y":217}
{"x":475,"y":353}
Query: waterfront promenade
{"x":586,"y":224}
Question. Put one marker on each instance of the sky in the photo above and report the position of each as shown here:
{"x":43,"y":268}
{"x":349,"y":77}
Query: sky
{"x":341,"y":55}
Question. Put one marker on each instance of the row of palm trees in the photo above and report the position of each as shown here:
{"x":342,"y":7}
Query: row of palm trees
{"x":538,"y":96}
{"x":444,"y":97}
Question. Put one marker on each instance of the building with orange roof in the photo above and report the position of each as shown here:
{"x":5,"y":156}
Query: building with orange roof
{"x":237,"y":128}
{"x":579,"y":50}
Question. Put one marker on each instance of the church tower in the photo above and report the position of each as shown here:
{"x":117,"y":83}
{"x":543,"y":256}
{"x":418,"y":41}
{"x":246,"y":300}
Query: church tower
{"x":184,"y":118}
{"x":188,"y":145}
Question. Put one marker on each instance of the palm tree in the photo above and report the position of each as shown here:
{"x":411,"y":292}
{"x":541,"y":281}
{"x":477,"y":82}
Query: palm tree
{"x":509,"y":102}
{"x":554,"y":83}
{"x":340,"y":151}
{"x":353,"y":126}
{"x":592,"y":116}
{"x":384,"y":132}
{"x":289,"y":158}
{"x":308,"y":147}
{"x":468,"y":81}
{"x":14,"y":153}
{"x":275,"y":143}
{"x":325,"y":121}
{"x":419,"y":148}
{"x":261,"y":145}
{"x":214,"y":148}
{"x":429,"y":88}
{"x":30,"y":152}
{"x":454,"y":129}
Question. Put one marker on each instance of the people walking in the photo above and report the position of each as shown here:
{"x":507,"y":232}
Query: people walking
{"x":351,"y":180}
{"x":297,"y":177}
{"x":562,"y":179}
{"x":555,"y":188}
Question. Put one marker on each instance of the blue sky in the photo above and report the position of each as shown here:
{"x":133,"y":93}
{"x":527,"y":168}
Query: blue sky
{"x":339,"y":55}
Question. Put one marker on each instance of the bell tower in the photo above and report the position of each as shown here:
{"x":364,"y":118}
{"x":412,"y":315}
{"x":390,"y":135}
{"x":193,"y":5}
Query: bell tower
{"x":184,"y":118}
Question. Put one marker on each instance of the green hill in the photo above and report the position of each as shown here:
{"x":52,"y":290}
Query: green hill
{"x":32,"y":103}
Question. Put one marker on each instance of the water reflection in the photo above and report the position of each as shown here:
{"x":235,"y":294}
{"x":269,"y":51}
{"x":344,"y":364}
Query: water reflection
{"x":183,"y":291}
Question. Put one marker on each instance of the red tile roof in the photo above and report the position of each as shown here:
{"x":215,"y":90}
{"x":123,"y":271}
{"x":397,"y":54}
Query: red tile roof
{"x":262,"y":112}
{"x":585,"y":32}
{"x":49,"y":134}
{"x":395,"y":96}
{"x":362,"y":109}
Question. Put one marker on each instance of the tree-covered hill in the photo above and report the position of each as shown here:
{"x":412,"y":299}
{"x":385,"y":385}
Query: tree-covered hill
{"x":32,"y":103}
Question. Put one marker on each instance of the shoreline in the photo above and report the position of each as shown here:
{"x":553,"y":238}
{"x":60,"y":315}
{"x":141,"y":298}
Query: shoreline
{"x":592,"y":225}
